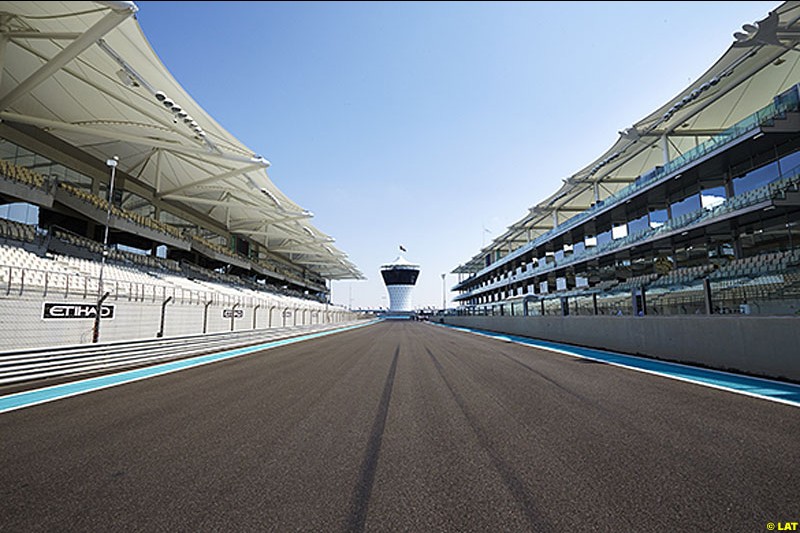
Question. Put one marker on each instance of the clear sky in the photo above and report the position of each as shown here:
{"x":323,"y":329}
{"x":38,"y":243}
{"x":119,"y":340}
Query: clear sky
{"x":432,"y":125}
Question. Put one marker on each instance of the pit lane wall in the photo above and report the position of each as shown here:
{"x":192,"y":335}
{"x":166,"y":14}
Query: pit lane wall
{"x":759,"y":346}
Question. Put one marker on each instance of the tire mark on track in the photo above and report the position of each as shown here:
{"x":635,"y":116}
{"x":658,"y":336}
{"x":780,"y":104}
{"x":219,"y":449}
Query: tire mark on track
{"x":609,"y":415}
{"x":514,"y":484}
{"x":550,"y":381}
{"x":360,"y":502}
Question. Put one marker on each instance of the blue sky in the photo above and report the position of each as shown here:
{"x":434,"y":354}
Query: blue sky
{"x":422,"y":123}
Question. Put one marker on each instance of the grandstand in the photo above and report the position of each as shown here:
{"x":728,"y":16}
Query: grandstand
{"x":693,"y":210}
{"x":187,"y":225}
{"x":681,"y":240}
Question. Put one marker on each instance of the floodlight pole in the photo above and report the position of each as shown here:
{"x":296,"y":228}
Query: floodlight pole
{"x":111,"y":163}
{"x":444,"y":292}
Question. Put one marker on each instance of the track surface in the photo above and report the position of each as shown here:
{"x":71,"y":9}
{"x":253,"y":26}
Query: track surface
{"x":401,"y":427}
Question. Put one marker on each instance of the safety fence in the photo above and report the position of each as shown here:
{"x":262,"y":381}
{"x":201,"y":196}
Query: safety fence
{"x":28,"y":365}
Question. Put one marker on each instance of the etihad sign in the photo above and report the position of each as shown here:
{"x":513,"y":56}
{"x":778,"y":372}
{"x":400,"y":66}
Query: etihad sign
{"x":67,"y":310}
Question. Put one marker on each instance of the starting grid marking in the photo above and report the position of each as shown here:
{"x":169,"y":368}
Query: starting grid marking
{"x":766,"y":389}
{"x":30,"y":398}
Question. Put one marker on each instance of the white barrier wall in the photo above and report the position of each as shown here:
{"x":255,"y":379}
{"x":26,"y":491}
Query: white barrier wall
{"x":23,"y":324}
{"x":51,"y":301}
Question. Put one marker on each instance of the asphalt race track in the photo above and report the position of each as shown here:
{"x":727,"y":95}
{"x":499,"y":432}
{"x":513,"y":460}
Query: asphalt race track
{"x":401,"y":427}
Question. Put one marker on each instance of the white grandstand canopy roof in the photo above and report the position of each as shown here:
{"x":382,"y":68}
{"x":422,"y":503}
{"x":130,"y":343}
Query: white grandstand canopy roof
{"x":84,"y":72}
{"x":763,"y":61}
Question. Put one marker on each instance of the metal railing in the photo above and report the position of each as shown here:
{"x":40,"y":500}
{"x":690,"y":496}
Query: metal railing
{"x":787,"y":102}
{"x":788,"y":180}
{"x":29,"y":365}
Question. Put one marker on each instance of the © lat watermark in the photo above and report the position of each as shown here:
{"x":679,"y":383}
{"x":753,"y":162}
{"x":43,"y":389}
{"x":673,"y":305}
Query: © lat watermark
{"x":782,"y":526}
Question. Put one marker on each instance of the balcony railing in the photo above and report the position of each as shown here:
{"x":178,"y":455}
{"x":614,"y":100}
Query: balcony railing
{"x":781,"y":105}
{"x":774,"y":190}
{"x":789,"y":101}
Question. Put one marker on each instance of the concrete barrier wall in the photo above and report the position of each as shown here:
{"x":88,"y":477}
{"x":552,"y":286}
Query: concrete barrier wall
{"x":763,"y":346}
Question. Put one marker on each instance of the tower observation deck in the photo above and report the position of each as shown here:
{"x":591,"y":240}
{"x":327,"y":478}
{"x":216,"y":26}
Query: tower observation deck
{"x":400,"y":277}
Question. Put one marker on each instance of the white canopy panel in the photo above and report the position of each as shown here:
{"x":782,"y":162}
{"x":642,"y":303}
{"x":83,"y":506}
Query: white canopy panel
{"x":84,"y":72}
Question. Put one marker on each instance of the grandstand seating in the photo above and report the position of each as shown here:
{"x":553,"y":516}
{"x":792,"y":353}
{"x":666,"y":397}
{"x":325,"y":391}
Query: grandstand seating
{"x":136,"y":218}
{"x":19,"y":232}
{"x":23,"y":272}
{"x":146,"y":261}
{"x":775,"y":189}
{"x":778,"y":108}
{"x":21,"y":174}
{"x":773,"y":276}
{"x":126,"y":274}
{"x":16,"y":231}
{"x":213,"y":246}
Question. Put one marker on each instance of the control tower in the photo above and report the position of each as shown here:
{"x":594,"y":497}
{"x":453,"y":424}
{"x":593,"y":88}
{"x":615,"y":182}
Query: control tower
{"x":400,"y":277}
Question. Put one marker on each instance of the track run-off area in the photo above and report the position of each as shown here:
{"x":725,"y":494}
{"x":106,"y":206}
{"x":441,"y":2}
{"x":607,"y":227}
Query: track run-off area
{"x":401,"y":426}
